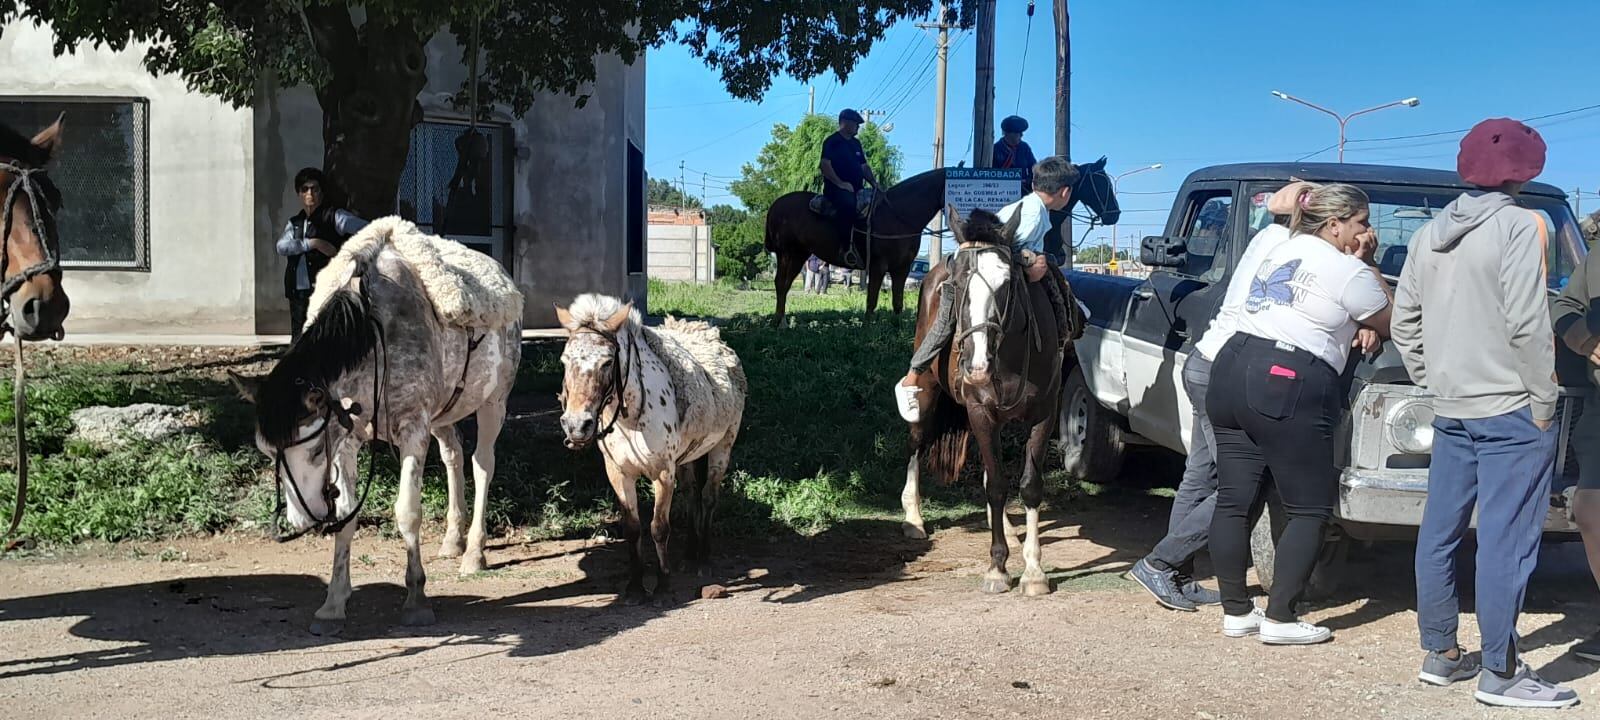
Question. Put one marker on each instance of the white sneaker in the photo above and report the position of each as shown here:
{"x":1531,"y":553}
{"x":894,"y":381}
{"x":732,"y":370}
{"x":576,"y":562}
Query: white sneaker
{"x":1293,"y":633}
{"x":905,"y":398}
{"x":1238,"y":626}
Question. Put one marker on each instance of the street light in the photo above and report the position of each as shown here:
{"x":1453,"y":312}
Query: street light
{"x":1114,"y":182}
{"x":1345,"y":119}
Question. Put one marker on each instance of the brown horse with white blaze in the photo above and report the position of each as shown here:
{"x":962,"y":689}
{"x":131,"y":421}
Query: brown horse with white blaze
{"x":35,"y":305}
{"x":1005,"y":327}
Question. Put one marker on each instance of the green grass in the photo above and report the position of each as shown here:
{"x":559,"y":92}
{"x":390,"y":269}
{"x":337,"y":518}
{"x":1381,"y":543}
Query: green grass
{"x":821,"y":442}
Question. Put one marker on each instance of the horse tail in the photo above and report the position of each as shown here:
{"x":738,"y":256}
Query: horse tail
{"x":945,"y":440}
{"x":770,"y":239}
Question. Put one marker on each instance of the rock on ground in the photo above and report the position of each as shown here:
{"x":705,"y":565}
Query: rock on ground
{"x":106,"y":427}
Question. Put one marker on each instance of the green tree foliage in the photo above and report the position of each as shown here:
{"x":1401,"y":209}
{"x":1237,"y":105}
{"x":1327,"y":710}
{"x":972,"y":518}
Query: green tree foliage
{"x":368,"y":60}
{"x":738,"y":237}
{"x":665,"y":193}
{"x":790,"y":161}
{"x":1098,"y":255}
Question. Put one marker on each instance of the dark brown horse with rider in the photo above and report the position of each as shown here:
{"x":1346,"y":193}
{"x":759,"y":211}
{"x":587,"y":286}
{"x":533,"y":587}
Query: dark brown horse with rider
{"x":897,"y":219}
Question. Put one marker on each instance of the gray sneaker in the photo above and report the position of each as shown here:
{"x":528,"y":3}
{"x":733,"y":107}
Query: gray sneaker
{"x":1442,"y":671}
{"x":1523,"y":690}
{"x":1197,"y":593}
{"x":1588,"y":649}
{"x":1161,"y":585}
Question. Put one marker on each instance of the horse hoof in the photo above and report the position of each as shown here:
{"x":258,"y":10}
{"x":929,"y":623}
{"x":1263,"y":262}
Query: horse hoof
{"x":996,"y":586}
{"x":912,"y":531}
{"x":473,"y":565}
{"x":416,"y":617}
{"x":1035,"y":588}
{"x":634,"y":597}
{"x":664,"y":600}
{"x":452,"y":550}
{"x":327,"y":628}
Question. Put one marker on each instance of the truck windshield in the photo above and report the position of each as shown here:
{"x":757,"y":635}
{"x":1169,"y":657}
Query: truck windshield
{"x":1397,"y":213}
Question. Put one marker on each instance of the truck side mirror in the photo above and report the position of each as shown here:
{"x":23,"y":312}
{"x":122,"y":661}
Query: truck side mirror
{"x":1166,"y":252}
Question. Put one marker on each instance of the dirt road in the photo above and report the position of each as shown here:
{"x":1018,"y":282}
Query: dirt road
{"x":856,"y":622}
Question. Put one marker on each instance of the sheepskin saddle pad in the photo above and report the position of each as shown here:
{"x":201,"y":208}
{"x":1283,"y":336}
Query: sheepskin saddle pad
{"x":468,"y":288}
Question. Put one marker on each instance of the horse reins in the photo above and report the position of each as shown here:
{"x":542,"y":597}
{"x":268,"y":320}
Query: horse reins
{"x":22,"y":182}
{"x":334,"y":410}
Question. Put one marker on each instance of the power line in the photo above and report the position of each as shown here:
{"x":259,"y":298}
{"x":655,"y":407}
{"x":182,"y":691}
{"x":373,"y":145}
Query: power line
{"x":717,"y":102}
{"x":723,"y":137}
{"x":1026,"y":37}
{"x":892,"y":74}
{"x":1573,"y":111}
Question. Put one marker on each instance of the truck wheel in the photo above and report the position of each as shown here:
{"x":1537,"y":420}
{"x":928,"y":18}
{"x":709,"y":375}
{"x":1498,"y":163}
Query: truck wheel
{"x":1325,"y":575}
{"x":1091,"y":436}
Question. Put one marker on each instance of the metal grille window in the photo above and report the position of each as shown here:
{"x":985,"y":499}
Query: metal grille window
{"x":103,"y":172}
{"x":465,"y":201}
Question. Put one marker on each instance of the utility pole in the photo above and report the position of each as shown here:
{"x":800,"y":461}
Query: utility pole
{"x":868,"y":114}
{"x":683,"y":188}
{"x":811,"y":101}
{"x":983,"y":89}
{"x":703,"y":194}
{"x":936,"y":254}
{"x":1064,"y":109}
{"x":1577,"y":201}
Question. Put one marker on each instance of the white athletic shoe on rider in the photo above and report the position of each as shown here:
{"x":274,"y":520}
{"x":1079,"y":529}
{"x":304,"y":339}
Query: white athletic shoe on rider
{"x":905,"y":398}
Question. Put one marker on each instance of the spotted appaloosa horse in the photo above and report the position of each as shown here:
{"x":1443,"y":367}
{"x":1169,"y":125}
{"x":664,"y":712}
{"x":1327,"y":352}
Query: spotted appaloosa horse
{"x":381,"y":360}
{"x":1004,"y":365}
{"x":664,"y":404}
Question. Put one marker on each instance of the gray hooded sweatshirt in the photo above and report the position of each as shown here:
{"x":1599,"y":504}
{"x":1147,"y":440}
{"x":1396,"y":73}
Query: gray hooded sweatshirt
{"x":1472,"y":313}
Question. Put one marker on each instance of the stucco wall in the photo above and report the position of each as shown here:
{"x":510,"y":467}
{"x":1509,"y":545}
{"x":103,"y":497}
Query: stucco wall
{"x":571,"y":194}
{"x":568,"y":186}
{"x":200,"y":154}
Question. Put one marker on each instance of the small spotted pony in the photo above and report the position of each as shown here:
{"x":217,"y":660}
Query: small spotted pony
{"x":664,"y":404}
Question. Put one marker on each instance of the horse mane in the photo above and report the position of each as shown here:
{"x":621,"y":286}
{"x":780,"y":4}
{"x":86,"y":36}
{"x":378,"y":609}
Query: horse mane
{"x":338,"y":339}
{"x":984,"y":228}
{"x":20,"y":147}
{"x":914,"y":185}
{"x":592,"y":310}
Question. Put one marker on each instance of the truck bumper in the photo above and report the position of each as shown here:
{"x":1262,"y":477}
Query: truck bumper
{"x":1396,"y":497}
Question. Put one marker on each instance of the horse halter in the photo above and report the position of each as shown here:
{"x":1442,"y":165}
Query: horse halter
{"x":618,"y":376}
{"x":1003,"y":311}
{"x":333,"y":411}
{"x":23,"y":182}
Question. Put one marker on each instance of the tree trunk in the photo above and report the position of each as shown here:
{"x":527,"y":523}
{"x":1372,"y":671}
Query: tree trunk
{"x":369,"y":105}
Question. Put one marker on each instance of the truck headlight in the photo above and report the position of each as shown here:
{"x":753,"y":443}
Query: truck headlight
{"x":1411,"y":427}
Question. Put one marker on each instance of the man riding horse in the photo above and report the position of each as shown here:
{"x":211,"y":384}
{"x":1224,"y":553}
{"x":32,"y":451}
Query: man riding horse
{"x":844,"y":168}
{"x":1053,"y":179}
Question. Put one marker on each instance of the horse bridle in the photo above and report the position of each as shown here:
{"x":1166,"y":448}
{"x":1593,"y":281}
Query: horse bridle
{"x":22,"y":181}
{"x":618,"y":389}
{"x":333,"y":410}
{"x":1093,"y":218}
{"x":1003,"y":312}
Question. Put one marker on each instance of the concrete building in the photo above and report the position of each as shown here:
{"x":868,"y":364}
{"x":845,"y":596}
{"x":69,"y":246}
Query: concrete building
{"x":680,"y":246}
{"x":173,"y":200}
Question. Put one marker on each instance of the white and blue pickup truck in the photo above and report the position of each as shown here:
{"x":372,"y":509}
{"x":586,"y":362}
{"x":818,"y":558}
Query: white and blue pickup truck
{"x":1125,"y":389}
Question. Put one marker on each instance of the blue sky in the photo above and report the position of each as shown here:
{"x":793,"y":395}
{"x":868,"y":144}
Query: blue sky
{"x":1187,"y":85}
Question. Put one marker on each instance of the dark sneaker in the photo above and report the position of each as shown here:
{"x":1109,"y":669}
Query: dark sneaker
{"x":1161,"y":585}
{"x":1197,"y":593}
{"x":1440,"y":670}
{"x":1588,"y":649}
{"x":1523,"y":690}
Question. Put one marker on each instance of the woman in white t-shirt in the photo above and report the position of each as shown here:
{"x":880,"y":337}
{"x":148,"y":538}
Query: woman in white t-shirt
{"x":1302,"y":307}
